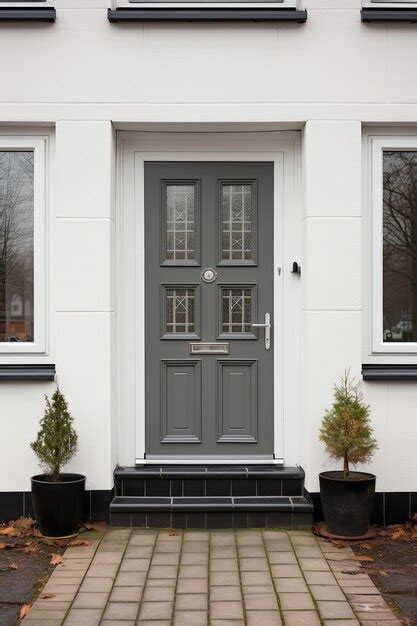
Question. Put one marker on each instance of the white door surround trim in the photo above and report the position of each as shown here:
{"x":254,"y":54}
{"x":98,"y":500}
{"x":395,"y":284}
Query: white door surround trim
{"x":133,"y":149}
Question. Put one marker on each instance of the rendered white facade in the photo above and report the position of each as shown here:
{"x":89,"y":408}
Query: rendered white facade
{"x":84,"y":84}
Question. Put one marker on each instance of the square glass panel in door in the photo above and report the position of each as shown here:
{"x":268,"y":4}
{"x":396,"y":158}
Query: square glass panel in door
{"x":237,"y":306}
{"x":180,"y":223}
{"x":238,"y":223}
{"x":179,"y":311}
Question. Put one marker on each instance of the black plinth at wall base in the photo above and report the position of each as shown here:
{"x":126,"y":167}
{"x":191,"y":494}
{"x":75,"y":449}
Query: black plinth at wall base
{"x":389,"y":15}
{"x":201,"y":496}
{"x":207,"y":15}
{"x":23,"y":14}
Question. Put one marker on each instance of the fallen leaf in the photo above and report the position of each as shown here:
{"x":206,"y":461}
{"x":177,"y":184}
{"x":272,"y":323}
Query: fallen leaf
{"x":10,"y":531}
{"x":79,"y":542}
{"x":383,"y":573}
{"x":24,"y":523}
{"x":3,"y":545}
{"x":398,"y":534}
{"x":56,"y":559}
{"x":364,"y":559}
{"x":13,"y":566}
{"x":98,"y":526}
{"x":24,"y":610}
{"x":30,"y":550}
{"x":366,"y":546}
{"x":46,"y":596}
{"x":173,"y":533}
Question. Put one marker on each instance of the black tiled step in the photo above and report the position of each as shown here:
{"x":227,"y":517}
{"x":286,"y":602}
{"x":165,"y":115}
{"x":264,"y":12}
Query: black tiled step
{"x":122,"y":504}
{"x":209,"y":471}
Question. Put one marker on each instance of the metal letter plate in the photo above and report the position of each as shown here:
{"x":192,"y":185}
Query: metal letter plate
{"x":209,"y":348}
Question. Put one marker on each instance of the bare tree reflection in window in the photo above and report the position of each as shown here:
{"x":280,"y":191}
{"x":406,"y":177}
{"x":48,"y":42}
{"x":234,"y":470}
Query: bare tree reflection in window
{"x":16,"y":246}
{"x":400,"y":246}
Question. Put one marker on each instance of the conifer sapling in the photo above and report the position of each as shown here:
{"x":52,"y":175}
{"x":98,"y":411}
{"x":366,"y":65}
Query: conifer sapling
{"x":346,"y":429}
{"x":56,"y":441}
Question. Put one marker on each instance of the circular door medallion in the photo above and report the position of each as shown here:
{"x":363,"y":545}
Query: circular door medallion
{"x":209,"y":275}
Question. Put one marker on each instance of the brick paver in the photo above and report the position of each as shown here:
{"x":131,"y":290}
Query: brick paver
{"x":220,"y":578}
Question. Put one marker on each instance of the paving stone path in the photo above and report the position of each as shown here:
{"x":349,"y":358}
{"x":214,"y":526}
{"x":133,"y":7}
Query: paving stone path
{"x":221,"y":578}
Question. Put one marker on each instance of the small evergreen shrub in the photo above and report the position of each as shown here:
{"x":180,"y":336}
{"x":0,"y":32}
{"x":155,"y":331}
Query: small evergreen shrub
{"x":56,"y":441}
{"x":346,"y":429}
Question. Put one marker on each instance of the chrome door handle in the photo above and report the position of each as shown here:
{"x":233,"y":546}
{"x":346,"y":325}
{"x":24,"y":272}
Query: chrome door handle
{"x":267,"y":326}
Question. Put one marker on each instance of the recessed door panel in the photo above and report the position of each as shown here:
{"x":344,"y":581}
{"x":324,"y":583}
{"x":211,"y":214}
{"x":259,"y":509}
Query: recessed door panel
{"x":209,"y":283}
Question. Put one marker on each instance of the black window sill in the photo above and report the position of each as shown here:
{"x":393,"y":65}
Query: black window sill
{"x":27,"y":372}
{"x":22,"y":14}
{"x":389,"y":15}
{"x":389,"y":372}
{"x":207,"y":15}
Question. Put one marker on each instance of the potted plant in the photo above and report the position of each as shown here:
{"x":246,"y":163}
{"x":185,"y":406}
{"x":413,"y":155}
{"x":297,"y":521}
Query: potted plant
{"x":347,"y":497}
{"x":58,"y":498}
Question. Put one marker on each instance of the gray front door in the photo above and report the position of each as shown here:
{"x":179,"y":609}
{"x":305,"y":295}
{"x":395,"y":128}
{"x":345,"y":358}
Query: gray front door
{"x":209,"y":278}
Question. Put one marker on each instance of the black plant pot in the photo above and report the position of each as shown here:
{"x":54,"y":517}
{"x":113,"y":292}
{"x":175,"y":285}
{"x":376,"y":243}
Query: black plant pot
{"x":58,"y":505}
{"x":347,"y":504}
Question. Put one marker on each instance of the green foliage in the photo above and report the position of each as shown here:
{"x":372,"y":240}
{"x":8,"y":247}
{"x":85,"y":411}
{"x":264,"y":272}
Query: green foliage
{"x":56,"y":441}
{"x":346,"y":430}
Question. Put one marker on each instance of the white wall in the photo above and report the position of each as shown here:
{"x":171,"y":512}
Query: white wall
{"x":82,"y":74}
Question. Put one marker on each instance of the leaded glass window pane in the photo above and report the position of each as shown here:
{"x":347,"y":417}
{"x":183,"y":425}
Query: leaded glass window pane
{"x":237,"y":310}
{"x":180,"y":310}
{"x":180,"y":223}
{"x":16,"y":246}
{"x":400,"y":247}
{"x":237,"y":223}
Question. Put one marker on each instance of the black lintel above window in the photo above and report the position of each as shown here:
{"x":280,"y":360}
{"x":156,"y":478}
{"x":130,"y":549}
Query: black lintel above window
{"x":27,"y":14}
{"x":389,"y":15}
{"x":215,"y":14}
{"x":27,"y":372}
{"x":389,"y":372}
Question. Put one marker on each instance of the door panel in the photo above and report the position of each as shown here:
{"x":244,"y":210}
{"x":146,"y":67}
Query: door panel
{"x":208,"y":278}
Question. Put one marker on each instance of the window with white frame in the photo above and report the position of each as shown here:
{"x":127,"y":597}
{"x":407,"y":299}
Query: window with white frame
{"x":387,"y":4}
{"x":394,"y":245}
{"x":22,"y":244}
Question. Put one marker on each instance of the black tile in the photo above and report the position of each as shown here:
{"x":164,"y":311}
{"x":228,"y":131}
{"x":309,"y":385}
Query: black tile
{"x":269,"y":487}
{"x":240,"y":519}
{"x":28,"y":511}
{"x":139,"y":520}
{"x":216,"y":503}
{"x":413,"y":503}
{"x":378,"y":510}
{"x":292,"y":488}
{"x":196,"y":519}
{"x":194,"y":487}
{"x":120,"y":519}
{"x":217,"y":519}
{"x":397,"y":508}
{"x":134,"y":487}
{"x":244,"y":487}
{"x":279,"y":519}
{"x":158,"y":519}
{"x":178,"y":520}
{"x":218,"y":487}
{"x":157,"y":487}
{"x":263,"y":503}
{"x":302,"y":521}
{"x":256,"y":519}
{"x":100,"y":505}
{"x":176,"y":488}
{"x":11,"y":505}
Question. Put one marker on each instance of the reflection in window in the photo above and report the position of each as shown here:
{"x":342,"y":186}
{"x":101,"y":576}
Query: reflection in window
{"x":180,"y":216}
{"x":16,"y":246}
{"x":180,"y":307}
{"x":237,"y":223}
{"x":237,"y":310}
{"x":400,"y":246}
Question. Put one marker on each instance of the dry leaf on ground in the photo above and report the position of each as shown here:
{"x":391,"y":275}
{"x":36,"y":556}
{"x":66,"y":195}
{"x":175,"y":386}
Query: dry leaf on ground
{"x":24,"y":610}
{"x":97,"y":526}
{"x":364,"y":559}
{"x":46,"y":596}
{"x":56,"y":559}
{"x":13,"y":566}
{"x":79,"y":542}
{"x":10,"y":531}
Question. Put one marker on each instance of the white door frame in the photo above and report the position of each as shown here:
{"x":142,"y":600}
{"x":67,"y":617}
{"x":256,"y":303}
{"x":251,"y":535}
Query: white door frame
{"x":133,"y":149}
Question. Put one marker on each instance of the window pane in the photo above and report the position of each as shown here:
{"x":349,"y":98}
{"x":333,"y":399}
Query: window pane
{"x":180,"y":223}
{"x":237,"y":223}
{"x":400,"y":246}
{"x":16,"y":246}
{"x":179,"y":310}
{"x":236,"y":310}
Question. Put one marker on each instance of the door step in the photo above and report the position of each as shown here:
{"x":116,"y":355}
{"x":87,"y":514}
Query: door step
{"x":210,"y":497}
